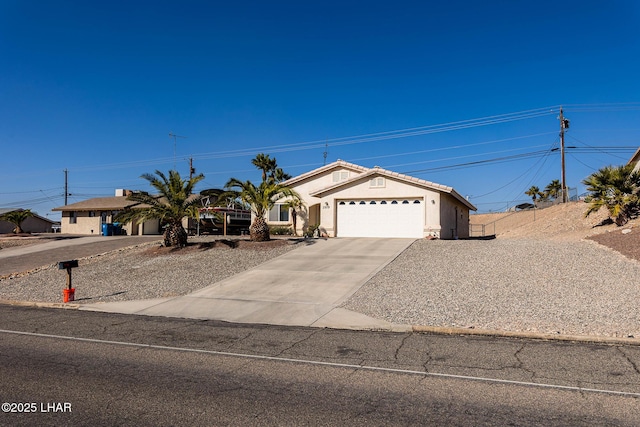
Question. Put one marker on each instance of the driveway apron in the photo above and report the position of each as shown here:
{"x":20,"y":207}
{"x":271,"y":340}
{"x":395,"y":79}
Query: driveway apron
{"x":303,"y":287}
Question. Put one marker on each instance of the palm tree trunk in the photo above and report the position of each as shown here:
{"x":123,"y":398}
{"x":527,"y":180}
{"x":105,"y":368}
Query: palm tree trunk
{"x":175,"y":235}
{"x":259,"y":230}
{"x":294,"y":218}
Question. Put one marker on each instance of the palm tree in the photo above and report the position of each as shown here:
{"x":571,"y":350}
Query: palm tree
{"x":553,"y":189}
{"x":16,"y":218}
{"x":260,"y":199}
{"x":617,"y":189}
{"x":294,"y":204}
{"x":265,"y":164}
{"x":269,"y":168}
{"x":174,"y":202}
{"x":534,"y":192}
{"x":278,"y":175}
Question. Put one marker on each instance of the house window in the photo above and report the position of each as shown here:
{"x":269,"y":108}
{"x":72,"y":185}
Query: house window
{"x":340,"y":176}
{"x":73,"y":217}
{"x":376,"y":182}
{"x":279,"y":213}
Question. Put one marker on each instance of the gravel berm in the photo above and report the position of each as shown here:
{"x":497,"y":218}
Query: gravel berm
{"x":516,"y":285}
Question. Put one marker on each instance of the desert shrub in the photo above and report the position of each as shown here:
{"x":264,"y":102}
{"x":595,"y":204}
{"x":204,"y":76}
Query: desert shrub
{"x":280,"y":230}
{"x":311,"y":231}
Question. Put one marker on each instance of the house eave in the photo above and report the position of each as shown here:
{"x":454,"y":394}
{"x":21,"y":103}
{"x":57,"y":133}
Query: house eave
{"x":377,"y":171}
{"x":635,"y":158}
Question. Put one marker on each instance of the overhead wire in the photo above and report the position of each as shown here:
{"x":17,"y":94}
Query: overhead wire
{"x":333,"y":142}
{"x":404,"y":133}
{"x":544,"y":158}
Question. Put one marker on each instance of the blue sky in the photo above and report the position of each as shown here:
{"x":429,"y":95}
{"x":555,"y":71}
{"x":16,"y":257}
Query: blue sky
{"x":416,"y":87}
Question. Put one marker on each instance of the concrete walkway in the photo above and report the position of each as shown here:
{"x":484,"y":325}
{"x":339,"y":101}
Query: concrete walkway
{"x":303,"y":287}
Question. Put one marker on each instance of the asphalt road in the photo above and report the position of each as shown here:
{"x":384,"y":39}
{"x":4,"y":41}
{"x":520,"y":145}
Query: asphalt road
{"x":80,"y":368}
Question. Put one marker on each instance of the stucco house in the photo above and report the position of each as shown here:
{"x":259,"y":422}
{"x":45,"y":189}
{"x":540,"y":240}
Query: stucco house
{"x":34,"y":224}
{"x":88,"y":216}
{"x":348,"y":200}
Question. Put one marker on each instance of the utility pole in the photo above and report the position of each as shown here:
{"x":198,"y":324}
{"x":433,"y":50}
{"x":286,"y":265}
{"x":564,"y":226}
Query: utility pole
{"x":174,"y":136}
{"x":66,"y":186}
{"x":192,"y":170}
{"x":564,"y":124}
{"x":326,"y":146}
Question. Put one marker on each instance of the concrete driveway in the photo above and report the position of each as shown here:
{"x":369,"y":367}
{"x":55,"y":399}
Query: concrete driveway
{"x":303,"y":287}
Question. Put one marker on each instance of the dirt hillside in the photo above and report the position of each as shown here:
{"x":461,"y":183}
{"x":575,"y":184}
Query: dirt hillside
{"x":564,"y":221}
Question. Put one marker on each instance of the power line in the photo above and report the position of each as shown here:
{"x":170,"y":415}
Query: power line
{"x":465,"y":157}
{"x":350,"y":140}
{"x":481,"y":162}
{"x":623,"y":106}
{"x":453,"y":147}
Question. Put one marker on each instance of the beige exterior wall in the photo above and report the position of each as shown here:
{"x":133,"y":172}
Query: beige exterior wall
{"x":455,"y":218}
{"x":83,"y":224}
{"x":90,"y":223}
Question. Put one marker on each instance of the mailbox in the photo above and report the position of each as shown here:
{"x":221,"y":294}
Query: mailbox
{"x":69,"y":293}
{"x":64,"y":265}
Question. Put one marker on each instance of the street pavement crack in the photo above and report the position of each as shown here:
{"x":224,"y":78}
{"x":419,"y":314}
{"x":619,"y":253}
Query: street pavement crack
{"x":395,"y":356}
{"x":520,"y":364}
{"x":635,"y":366}
{"x":298,"y":342}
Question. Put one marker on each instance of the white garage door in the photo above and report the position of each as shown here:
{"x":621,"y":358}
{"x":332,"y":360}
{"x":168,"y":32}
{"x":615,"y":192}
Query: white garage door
{"x":380,"y":218}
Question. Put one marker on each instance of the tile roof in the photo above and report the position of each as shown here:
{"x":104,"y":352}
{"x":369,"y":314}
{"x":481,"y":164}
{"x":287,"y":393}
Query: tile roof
{"x":99,"y":204}
{"x":400,"y":177}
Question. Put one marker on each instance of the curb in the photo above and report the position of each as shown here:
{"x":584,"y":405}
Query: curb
{"x":63,"y":305}
{"x":439,"y":330}
{"x":435,"y":330}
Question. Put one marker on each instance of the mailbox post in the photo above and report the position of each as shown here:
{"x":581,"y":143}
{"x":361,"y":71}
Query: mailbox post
{"x":69,"y":293}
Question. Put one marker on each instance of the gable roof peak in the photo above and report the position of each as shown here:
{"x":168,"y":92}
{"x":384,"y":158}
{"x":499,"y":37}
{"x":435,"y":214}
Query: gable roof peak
{"x":332,"y":165}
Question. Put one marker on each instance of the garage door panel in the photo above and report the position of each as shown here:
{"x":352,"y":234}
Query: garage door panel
{"x":357,"y":219}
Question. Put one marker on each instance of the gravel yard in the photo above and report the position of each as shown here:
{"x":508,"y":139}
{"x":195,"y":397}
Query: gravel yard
{"x":575,"y":287}
{"x":144,"y":272}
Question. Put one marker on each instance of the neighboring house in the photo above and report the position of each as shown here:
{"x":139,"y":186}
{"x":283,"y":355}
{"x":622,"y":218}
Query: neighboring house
{"x":347,"y":200}
{"x":89,"y":216}
{"x":34,"y":224}
{"x":635,"y":159}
